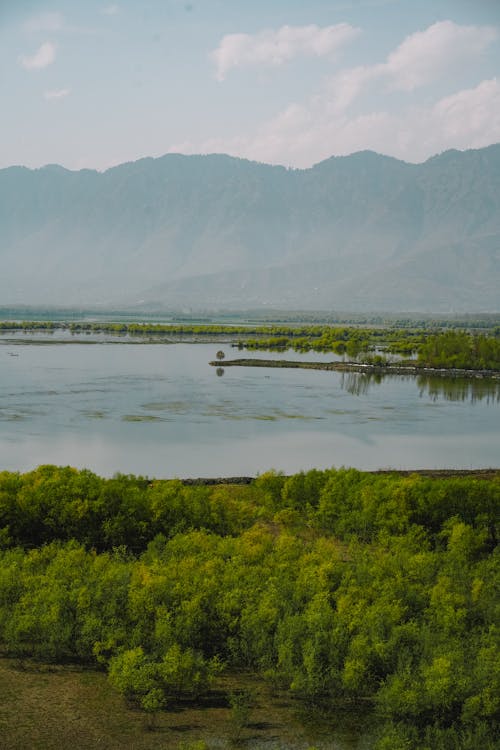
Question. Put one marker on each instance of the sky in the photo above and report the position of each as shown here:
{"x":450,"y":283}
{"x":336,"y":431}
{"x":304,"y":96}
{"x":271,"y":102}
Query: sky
{"x":97,"y":83}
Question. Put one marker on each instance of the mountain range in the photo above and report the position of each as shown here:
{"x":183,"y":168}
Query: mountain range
{"x":360,"y":232}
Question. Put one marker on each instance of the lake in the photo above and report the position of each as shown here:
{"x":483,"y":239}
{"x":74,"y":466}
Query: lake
{"x":161,"y":410}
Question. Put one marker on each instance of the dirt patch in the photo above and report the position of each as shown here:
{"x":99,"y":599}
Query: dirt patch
{"x":62,"y":707}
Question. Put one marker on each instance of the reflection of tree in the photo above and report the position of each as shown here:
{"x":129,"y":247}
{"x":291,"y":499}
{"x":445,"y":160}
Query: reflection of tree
{"x":436,"y":387}
{"x":358,"y":384}
{"x":220,"y":371}
{"x":459,"y":389}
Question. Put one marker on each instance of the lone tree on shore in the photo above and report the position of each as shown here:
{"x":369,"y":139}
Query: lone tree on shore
{"x":220,"y":354}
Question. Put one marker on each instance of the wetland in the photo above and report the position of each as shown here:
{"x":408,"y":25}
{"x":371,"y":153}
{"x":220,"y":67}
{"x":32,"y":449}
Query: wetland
{"x":307,"y":607}
{"x":154,"y":408}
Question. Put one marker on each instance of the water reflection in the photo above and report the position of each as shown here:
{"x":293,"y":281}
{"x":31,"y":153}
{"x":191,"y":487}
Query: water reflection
{"x":460,"y":389}
{"x":359,"y":383}
{"x":436,"y":388}
{"x":162,"y":411}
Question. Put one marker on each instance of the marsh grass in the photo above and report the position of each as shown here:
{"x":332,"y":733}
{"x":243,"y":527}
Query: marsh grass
{"x":58,"y":707}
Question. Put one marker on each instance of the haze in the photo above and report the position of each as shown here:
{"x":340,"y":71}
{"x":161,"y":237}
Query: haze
{"x":96,"y":84}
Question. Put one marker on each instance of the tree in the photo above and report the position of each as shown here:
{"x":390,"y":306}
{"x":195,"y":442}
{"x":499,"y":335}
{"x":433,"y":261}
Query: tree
{"x":242,"y":703}
{"x":152,"y":683}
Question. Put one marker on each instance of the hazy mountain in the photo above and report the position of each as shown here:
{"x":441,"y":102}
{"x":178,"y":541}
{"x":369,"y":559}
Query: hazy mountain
{"x":358,"y":232}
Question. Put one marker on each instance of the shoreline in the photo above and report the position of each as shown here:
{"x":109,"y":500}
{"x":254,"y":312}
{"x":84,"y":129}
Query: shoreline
{"x":361,"y":368}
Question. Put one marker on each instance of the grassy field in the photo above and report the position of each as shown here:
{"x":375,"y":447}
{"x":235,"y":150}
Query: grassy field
{"x":63,"y":707}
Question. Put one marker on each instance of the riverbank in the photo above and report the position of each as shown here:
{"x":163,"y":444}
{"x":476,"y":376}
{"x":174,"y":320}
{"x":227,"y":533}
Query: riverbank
{"x":396,"y":369}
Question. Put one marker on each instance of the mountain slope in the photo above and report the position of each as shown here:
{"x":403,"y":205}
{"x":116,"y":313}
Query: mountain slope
{"x":359,"y":232}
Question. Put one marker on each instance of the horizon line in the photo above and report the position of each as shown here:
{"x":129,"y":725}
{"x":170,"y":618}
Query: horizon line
{"x":245,"y":159}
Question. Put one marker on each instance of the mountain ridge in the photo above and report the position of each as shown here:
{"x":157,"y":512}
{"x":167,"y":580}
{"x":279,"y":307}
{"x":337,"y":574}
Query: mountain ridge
{"x":359,"y":232}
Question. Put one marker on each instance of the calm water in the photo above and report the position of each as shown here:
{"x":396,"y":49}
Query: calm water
{"x":161,"y":410}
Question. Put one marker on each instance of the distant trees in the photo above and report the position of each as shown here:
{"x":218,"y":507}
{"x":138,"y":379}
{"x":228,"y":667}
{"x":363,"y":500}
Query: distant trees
{"x":460,"y":349}
{"x":437,"y":343}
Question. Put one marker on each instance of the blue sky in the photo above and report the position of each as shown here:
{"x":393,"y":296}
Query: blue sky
{"x":96,"y":83}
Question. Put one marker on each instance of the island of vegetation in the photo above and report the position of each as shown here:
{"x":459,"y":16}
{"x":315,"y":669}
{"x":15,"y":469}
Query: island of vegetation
{"x":447,"y":353}
{"x":393,"y":347}
{"x":459,"y":351}
{"x":375,"y":593}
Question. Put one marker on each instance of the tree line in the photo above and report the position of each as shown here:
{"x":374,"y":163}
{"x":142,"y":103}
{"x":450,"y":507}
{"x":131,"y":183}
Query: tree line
{"x":442,"y":349}
{"x":458,"y":349}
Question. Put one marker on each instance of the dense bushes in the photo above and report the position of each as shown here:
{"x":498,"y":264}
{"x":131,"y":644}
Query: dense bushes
{"x":63,"y":503}
{"x":461,"y":350}
{"x":337,"y":585}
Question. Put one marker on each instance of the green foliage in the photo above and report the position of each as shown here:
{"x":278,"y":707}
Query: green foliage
{"x":241,"y":703}
{"x":152,"y":682}
{"x":335,"y":585}
{"x":52,"y":503}
{"x":196,"y":745}
{"x":460,"y":349}
{"x":439,"y":344}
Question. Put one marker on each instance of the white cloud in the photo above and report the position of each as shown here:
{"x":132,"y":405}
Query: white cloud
{"x":44,"y":56}
{"x":441,"y":48}
{"x":306,"y":132}
{"x":45,"y":22}
{"x":302,"y":135}
{"x":471,"y":116}
{"x":275,"y":47}
{"x":56,"y":94}
{"x":422,"y":58}
{"x":110,"y":10}
{"x":344,"y":87}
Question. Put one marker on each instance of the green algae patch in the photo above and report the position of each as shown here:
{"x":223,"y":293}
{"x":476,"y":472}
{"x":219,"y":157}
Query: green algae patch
{"x":142,"y":418}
